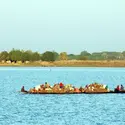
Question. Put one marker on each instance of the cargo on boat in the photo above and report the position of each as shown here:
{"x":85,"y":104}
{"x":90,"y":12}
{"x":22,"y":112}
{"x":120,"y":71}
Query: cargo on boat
{"x":60,"y":88}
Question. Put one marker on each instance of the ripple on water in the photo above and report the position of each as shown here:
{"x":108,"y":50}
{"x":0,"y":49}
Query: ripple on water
{"x":21,"y":109}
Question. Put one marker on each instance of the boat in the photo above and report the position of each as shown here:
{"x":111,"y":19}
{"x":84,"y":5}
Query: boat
{"x":94,"y":88}
{"x":110,"y":92}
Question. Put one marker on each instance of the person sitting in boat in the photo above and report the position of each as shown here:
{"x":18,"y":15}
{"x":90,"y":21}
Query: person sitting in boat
{"x":32,"y":90}
{"x":55,"y":88}
{"x":122,"y":88}
{"x":86,"y":86}
{"x":117,"y":89}
{"x":61,"y":85}
{"x":47,"y":85}
{"x":80,"y":89}
{"x":42,"y":87}
{"x":107,"y":88}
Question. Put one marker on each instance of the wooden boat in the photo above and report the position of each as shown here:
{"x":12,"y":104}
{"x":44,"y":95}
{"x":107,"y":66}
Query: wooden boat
{"x":110,"y":92}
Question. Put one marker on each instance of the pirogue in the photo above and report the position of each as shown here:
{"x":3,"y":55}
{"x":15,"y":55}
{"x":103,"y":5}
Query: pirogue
{"x":60,"y":88}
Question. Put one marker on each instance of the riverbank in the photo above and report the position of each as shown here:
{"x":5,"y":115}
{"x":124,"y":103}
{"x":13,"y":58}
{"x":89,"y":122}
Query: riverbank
{"x":69,"y":63}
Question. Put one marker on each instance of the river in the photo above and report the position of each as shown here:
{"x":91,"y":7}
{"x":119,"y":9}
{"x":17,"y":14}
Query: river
{"x":20,"y":109}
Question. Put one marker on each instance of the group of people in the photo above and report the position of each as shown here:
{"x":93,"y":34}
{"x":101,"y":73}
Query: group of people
{"x":96,"y":87}
{"x":119,"y":88}
{"x":56,"y":88}
{"x":68,"y":88}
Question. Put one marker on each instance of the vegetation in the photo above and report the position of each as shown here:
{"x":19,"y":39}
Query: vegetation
{"x":48,"y":56}
{"x":20,"y":55}
{"x":63,"y":56}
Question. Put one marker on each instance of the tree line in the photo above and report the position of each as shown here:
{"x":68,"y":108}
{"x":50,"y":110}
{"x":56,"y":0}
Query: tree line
{"x":20,"y":55}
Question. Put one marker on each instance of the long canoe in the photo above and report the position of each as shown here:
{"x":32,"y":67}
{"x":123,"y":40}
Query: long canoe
{"x":110,"y":92}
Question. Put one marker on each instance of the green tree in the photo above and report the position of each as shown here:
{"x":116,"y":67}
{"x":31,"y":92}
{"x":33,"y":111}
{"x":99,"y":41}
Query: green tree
{"x":48,"y":56}
{"x":104,"y":55}
{"x":114,"y":55}
{"x":83,"y":57}
{"x":27,"y":56}
{"x":96,"y":56}
{"x":4,"y":56}
{"x":123,"y":53}
{"x":35,"y":56}
{"x":85,"y":53}
{"x":15,"y":55}
{"x":71,"y":56}
{"x":63,"y":56}
{"x":56,"y":55}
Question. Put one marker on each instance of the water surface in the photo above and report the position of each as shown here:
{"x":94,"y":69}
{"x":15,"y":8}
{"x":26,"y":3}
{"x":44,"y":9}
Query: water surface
{"x":21,"y":109}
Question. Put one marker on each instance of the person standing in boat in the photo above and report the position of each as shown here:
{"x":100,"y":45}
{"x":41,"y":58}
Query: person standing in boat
{"x":23,"y":89}
{"x":118,"y":88}
{"x":107,"y":88}
{"x":122,"y":88}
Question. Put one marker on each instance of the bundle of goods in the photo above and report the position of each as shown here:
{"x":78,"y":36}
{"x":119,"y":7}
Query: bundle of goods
{"x":96,"y":88}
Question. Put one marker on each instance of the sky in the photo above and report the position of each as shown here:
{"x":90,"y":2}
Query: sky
{"x":62,"y":25}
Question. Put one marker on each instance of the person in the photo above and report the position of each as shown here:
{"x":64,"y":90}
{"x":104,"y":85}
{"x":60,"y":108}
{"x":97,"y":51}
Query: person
{"x":80,"y":89}
{"x":61,"y":85}
{"x":23,"y":90}
{"x":122,"y":87}
{"x":86,"y":86}
{"x":47,"y":85}
{"x":117,"y":89}
{"x":42,"y":86}
{"x":34,"y":90}
{"x":106,"y":87}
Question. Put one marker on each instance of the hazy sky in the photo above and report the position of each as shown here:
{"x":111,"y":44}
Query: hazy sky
{"x":62,"y":25}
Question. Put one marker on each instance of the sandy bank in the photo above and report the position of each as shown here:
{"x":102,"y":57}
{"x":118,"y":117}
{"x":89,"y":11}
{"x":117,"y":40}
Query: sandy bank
{"x":71,"y":63}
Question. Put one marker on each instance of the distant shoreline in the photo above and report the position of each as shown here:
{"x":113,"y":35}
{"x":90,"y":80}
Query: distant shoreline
{"x":68,"y":63}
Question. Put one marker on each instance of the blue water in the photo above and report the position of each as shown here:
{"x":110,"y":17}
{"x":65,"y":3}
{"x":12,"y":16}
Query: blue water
{"x":21,"y":109}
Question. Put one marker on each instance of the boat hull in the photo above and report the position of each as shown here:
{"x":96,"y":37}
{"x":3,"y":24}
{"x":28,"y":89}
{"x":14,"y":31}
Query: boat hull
{"x":111,"y":92}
